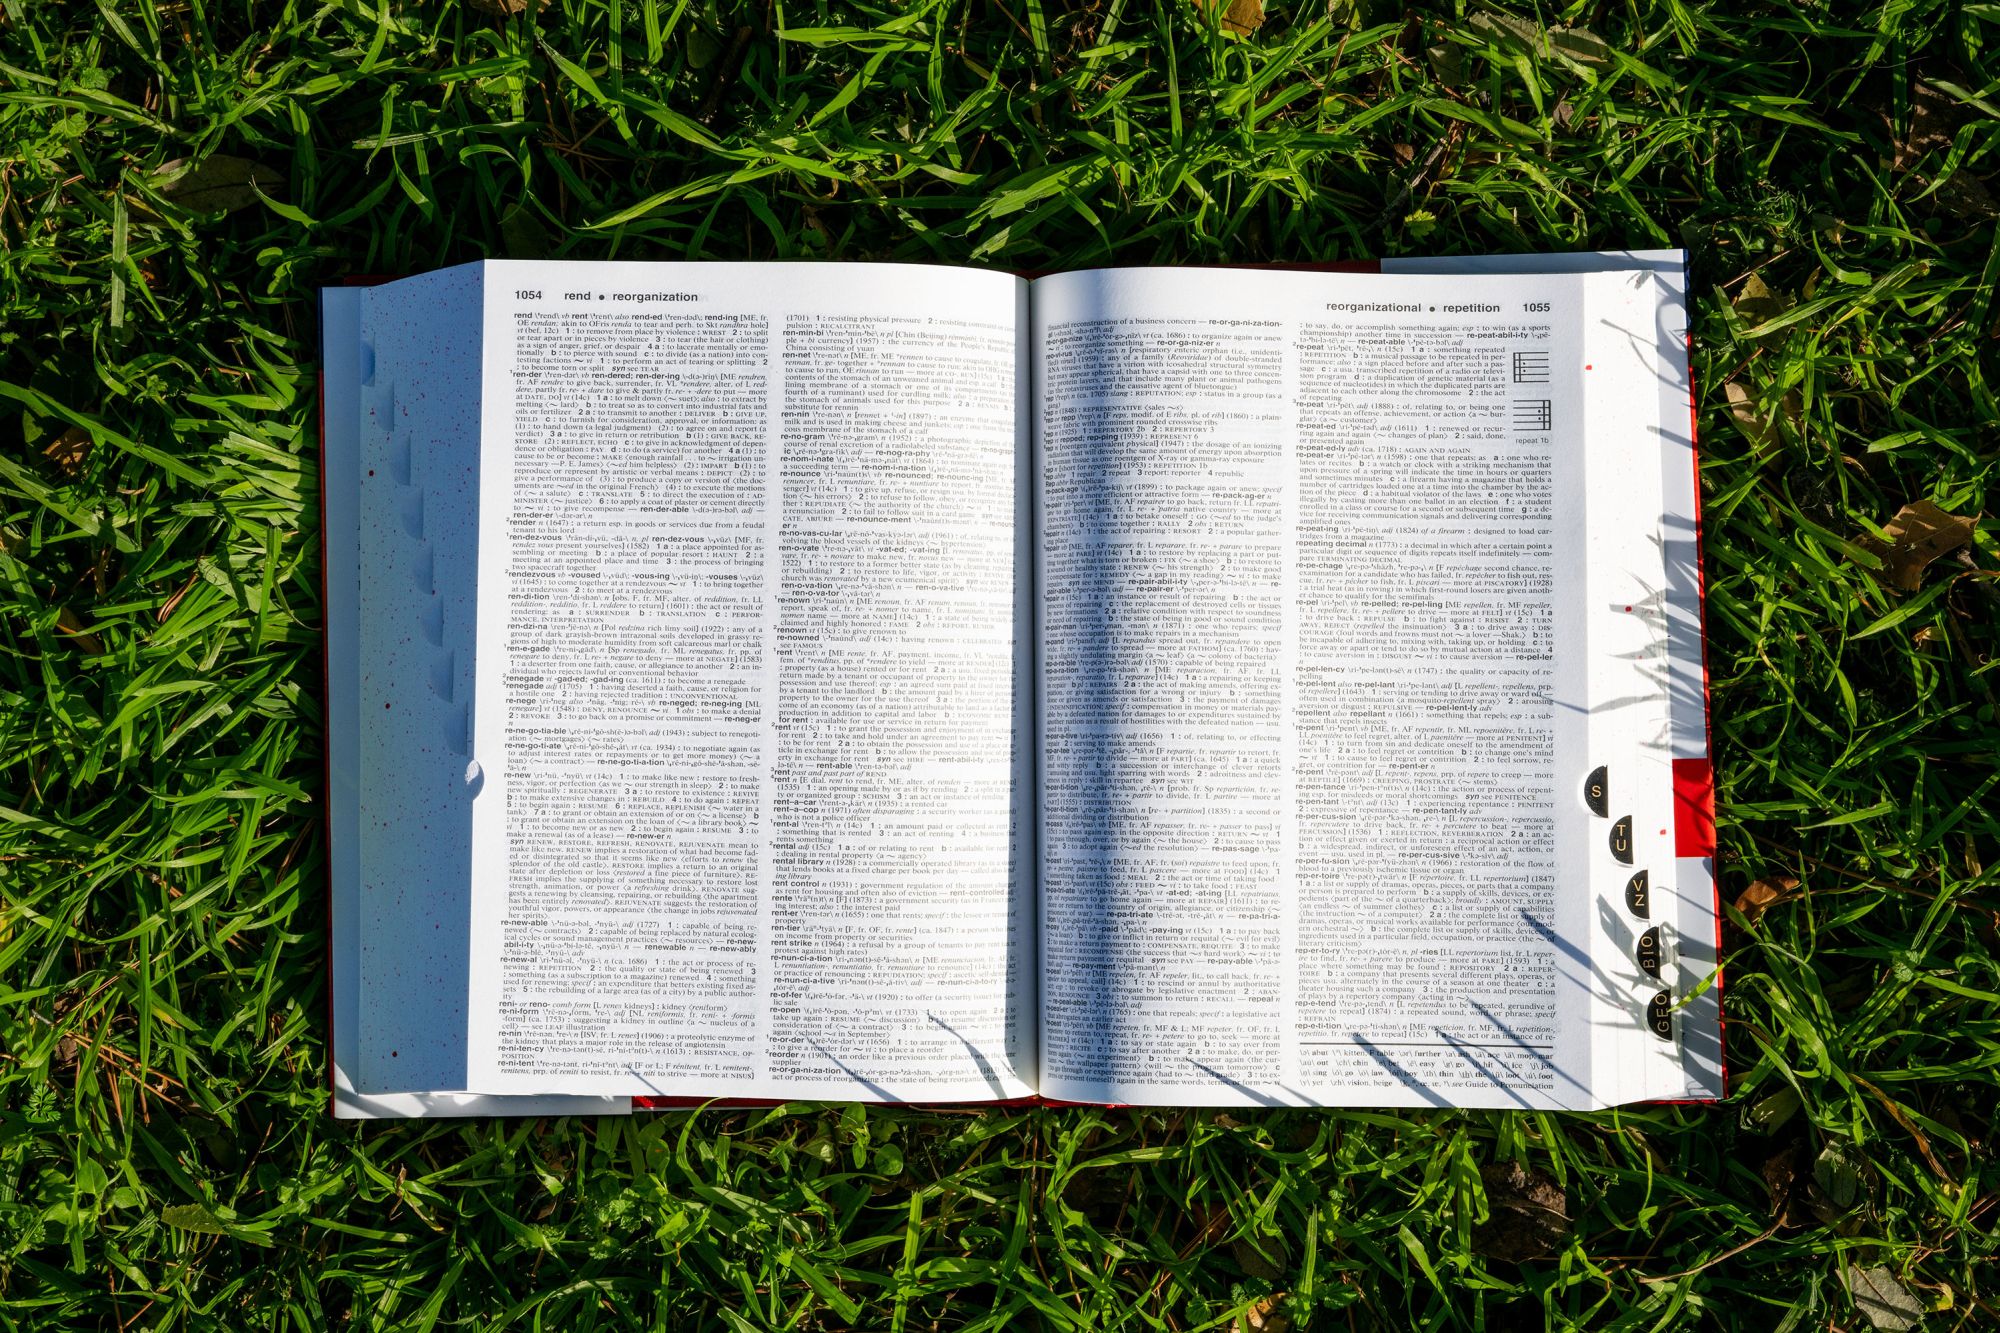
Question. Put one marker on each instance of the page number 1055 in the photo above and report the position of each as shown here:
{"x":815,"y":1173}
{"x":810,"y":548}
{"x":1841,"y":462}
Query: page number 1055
{"x":1535,"y":307}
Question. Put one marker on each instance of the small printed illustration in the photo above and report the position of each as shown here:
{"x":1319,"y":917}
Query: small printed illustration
{"x":1534,"y":414}
{"x":1531,"y":367}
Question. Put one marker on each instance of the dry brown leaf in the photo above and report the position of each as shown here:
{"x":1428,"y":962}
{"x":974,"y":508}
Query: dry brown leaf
{"x":1767,"y":1114}
{"x":71,"y":624}
{"x":1743,"y":411}
{"x":1918,"y":534}
{"x":1758,"y":426}
{"x":1447,"y":61}
{"x":217,"y":183}
{"x":1965,"y":195}
{"x":505,"y":9}
{"x":1512,"y":32}
{"x":1910,"y":1127}
{"x":1583,"y":46}
{"x":68,"y":450}
{"x":1935,"y":120}
{"x":1841,"y":1189}
{"x":1263,"y":1258}
{"x":1882,"y":1300}
{"x":68,"y":622}
{"x":1757,"y":303}
{"x":522,"y":232}
{"x":1239,"y":16}
{"x":1764,"y":894}
{"x":1527,"y":1215}
{"x":1266,"y":1315}
{"x":700,"y":47}
{"x":167,"y":607}
{"x":1781,"y":1178}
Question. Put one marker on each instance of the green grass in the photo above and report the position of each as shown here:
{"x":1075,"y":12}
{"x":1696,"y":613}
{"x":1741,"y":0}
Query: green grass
{"x":165,"y":1159}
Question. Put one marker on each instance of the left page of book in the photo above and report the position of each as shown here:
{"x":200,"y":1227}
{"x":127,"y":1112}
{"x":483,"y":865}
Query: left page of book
{"x":751,"y":705}
{"x":399,"y":447}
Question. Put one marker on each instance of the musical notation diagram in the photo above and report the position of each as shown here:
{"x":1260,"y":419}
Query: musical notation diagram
{"x":1534,"y":414}
{"x":1531,"y":367}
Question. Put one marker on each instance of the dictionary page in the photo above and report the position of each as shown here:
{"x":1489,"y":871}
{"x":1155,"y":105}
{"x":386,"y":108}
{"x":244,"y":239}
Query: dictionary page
{"x":397,"y":368}
{"x":752,"y":701}
{"x":1316,"y":692}
{"x":1681,"y":933}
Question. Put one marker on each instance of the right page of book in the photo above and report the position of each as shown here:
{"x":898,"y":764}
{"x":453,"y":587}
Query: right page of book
{"x":1353,"y":713}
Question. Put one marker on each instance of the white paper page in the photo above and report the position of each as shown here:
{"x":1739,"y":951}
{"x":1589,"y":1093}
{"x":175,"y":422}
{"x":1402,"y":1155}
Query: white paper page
{"x":752,"y":652}
{"x":1656,"y":404}
{"x":393,"y":375}
{"x":1652,"y":954}
{"x":1314,"y":696}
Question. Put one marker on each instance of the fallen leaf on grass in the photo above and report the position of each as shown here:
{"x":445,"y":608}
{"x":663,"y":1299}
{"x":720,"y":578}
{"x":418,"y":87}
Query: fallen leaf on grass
{"x":67,"y":1048}
{"x":1098,"y":1195}
{"x":1934,"y":123}
{"x":1767,"y":1115}
{"x":1757,"y":303}
{"x":1881,"y":1299}
{"x":68,"y":450}
{"x":1758,"y":426}
{"x":167,"y":607}
{"x":1527,"y":1215}
{"x":67,"y":621}
{"x":1583,"y":46}
{"x":1841,"y":1191}
{"x":1239,"y":16}
{"x":1263,"y":1258}
{"x":1764,"y":894}
{"x":1918,"y":534}
{"x":1446,"y":60}
{"x":1266,"y":1316}
{"x":218,"y":183}
{"x":505,"y":9}
{"x":193,"y":1217}
{"x":522,"y":232}
{"x":1511,"y":32}
{"x":700,"y":47}
{"x":1781,"y":1179}
{"x":71,"y":624}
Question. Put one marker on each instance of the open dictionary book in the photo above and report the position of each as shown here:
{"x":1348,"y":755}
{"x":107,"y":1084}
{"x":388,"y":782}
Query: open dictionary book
{"x":1187,"y":686}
